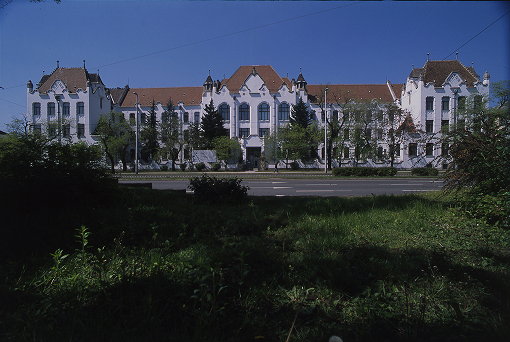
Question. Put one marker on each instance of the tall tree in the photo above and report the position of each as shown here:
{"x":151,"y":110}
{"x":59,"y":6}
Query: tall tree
{"x":170,"y":134}
{"x":115,"y":135}
{"x":211,"y":126}
{"x":149,"y":135}
{"x":392,"y":136}
{"x":363,"y":121}
{"x":300,"y":115}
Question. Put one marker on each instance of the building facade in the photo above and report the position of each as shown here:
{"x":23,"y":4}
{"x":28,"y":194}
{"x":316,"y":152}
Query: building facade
{"x":255,"y":101}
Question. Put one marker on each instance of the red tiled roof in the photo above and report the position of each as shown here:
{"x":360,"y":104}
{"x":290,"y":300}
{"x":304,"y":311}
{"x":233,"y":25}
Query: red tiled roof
{"x":357,"y":92}
{"x":186,"y":95}
{"x":271,"y":79}
{"x":437,"y":71}
{"x":73,"y":78}
{"x":116,"y":94}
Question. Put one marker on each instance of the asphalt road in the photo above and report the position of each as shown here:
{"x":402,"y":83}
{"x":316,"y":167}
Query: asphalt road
{"x":318,"y":187}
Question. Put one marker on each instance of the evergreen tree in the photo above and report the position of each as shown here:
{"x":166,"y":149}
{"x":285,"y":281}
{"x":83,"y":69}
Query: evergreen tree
{"x":300,"y":115}
{"x":211,"y":126}
{"x":170,"y":135}
{"x":149,"y":135}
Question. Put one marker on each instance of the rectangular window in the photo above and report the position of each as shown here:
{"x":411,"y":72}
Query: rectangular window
{"x":185,"y":117}
{"x":66,"y":108}
{"x":379,"y":134}
{"x":346,"y":152}
{"x":80,"y":108}
{"x":444,"y":149}
{"x":346,"y":134}
{"x":66,"y":130}
{"x":264,"y":112}
{"x":143,"y":118}
{"x":263,"y":132}
{"x":132,"y":119}
{"x":429,"y":150}
{"x":335,"y":116}
{"x":36,"y":108}
{"x":37,"y":129}
{"x":445,"y":124}
{"x":429,"y":103}
{"x":413,"y":149}
{"x":51,"y":108}
{"x":397,"y":150}
{"x":445,"y":103}
{"x":197,"y":117}
{"x":429,"y":126}
{"x":81,"y":130}
{"x":52,"y":130}
{"x":244,"y":132}
{"x":244,"y":112}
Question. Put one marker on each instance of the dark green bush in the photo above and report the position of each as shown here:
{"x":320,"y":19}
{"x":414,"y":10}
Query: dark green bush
{"x":183,"y":166}
{"x":218,"y":190}
{"x":164,"y":168}
{"x":364,"y":171}
{"x":294,"y":166}
{"x":200,"y":166}
{"x":215,"y":166}
{"x":424,"y":171}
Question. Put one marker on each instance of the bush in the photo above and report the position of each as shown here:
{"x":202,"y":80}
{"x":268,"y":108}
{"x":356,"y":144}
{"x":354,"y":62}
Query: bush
{"x":294,"y":166}
{"x":218,"y":190}
{"x":216,"y":166}
{"x":164,"y":167}
{"x":364,"y":171}
{"x":424,"y":171}
{"x":200,"y":166}
{"x":183,"y":166}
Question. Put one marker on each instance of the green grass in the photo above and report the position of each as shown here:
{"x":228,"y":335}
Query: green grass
{"x":156,"y":266}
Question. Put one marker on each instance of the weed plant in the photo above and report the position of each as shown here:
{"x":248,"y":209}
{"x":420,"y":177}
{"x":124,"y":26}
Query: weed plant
{"x":160,"y":266}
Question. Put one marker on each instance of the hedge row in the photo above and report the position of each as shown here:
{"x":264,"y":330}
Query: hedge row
{"x":364,"y":171}
{"x":424,"y":171}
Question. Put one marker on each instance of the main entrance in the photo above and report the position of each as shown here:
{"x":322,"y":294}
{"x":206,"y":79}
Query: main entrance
{"x":253,"y":157}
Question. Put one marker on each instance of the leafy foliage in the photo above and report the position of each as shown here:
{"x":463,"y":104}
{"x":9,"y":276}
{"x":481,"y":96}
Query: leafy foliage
{"x":218,"y":190}
{"x":364,"y":171}
{"x":149,"y":135}
{"x":424,"y":171}
{"x":211,"y":126}
{"x":227,"y":150}
{"x":172,"y":141}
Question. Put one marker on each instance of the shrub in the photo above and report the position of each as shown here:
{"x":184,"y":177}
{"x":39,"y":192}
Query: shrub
{"x":200,"y":166}
{"x":424,"y":171}
{"x":183,"y":166}
{"x":294,"y":166}
{"x":215,"y":166}
{"x":164,"y":168}
{"x":218,"y":190}
{"x":364,"y":171}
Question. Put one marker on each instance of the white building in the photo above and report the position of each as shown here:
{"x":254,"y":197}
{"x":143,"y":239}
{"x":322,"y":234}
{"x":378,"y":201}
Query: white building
{"x":69,"y":96}
{"x":255,"y":100}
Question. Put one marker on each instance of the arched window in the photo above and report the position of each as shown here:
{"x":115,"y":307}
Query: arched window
{"x":224,"y":110}
{"x":283,"y":112}
{"x":263,"y":112}
{"x":244,"y":112}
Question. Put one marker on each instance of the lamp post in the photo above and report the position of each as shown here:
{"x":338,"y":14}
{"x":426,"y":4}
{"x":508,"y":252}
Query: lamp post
{"x":325,"y":133}
{"x":59,"y":123}
{"x":136,"y":135}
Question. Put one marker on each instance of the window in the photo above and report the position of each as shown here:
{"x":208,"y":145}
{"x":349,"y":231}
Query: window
{"x":413,"y":149}
{"x":263,"y":132}
{"x":52,"y":130}
{"x":66,"y":130}
{"x":244,"y":132}
{"x":429,"y":103}
{"x":429,"y":150}
{"x":66,"y":108}
{"x":36,"y":108}
{"x":462,"y":103}
{"x":143,"y":118}
{"x":80,"y":108}
{"x":244,"y":112}
{"x":444,"y":149}
{"x":429,"y":126}
{"x":445,"y":103}
{"x":346,"y":152}
{"x":335,"y":116}
{"x":132,"y":119}
{"x":283,"y":112}
{"x":263,"y":112}
{"x":346,"y":134}
{"x":445,"y":124}
{"x":51,"y":108}
{"x":196,"y":117}
{"x":37,"y":129}
{"x":185,"y":117}
{"x":323,"y":116}
{"x":379,"y":134}
{"x":397,"y":150}
{"x":81,"y":130}
{"x":224,"y":110}
{"x":101,"y":103}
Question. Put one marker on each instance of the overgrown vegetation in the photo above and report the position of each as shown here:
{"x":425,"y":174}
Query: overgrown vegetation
{"x":218,"y":190}
{"x":364,"y":171}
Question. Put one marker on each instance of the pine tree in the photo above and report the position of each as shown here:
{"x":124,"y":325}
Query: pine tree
{"x":211,"y":125}
{"x":149,"y":135}
{"x":300,"y":115}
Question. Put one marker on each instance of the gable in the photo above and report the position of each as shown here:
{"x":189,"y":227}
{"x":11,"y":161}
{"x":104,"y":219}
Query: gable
{"x":58,"y":87}
{"x":454,"y":80}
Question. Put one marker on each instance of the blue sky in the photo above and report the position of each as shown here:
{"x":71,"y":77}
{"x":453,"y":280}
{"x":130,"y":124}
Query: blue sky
{"x":168,"y":43}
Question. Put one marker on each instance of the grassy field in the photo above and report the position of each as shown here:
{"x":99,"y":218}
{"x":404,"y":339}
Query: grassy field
{"x":157,"y":266}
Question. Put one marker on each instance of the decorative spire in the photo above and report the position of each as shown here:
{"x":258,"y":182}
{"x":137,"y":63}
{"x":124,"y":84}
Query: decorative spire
{"x":83,"y":64}
{"x":57,"y":65}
